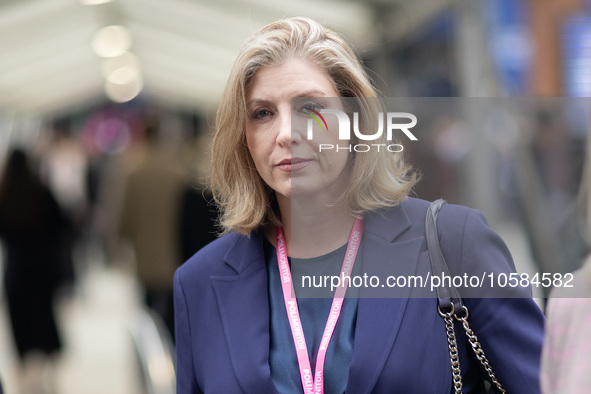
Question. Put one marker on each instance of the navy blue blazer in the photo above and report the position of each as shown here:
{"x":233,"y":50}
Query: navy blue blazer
{"x":400,"y":345}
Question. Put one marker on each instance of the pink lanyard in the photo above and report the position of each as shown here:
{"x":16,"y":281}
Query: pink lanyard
{"x":293,"y":314}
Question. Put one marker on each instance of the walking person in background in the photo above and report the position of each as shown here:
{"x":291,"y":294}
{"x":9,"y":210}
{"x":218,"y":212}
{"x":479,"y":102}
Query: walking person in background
{"x":63,"y":166}
{"x":565,"y":359}
{"x":150,"y":220}
{"x":32,"y":227}
{"x":286,"y":206}
{"x":198,"y":213}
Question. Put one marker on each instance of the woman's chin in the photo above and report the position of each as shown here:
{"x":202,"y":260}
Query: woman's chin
{"x":302,"y":190}
{"x":298,"y":190}
{"x":311,"y":188}
{"x":295,"y":193}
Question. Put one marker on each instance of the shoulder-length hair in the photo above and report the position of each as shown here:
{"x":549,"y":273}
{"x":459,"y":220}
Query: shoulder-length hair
{"x":245,"y":200}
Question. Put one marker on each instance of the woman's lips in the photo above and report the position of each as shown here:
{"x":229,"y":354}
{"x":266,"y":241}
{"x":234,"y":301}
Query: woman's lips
{"x":293,"y":164}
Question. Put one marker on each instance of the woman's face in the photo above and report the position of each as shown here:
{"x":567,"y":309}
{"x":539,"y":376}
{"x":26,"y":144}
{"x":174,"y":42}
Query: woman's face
{"x":276,"y":131}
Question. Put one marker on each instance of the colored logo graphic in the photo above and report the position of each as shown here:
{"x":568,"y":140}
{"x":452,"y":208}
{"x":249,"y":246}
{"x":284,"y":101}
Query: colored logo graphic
{"x":318,"y":120}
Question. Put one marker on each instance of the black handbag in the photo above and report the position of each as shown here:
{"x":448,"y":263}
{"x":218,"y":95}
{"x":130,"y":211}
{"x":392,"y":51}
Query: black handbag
{"x":450,"y":305}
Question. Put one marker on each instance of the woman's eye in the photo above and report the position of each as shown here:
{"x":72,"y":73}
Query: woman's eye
{"x":261,"y":114}
{"x":310,"y":108}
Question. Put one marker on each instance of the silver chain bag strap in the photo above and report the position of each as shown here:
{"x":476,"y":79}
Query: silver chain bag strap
{"x":450,"y":305}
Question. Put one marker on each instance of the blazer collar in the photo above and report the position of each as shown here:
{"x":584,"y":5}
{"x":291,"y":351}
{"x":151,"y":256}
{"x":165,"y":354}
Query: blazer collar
{"x":245,"y":251}
{"x":388,"y":224}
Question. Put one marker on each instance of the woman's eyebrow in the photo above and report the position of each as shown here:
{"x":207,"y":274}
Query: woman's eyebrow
{"x":307,"y":93}
{"x":258,"y":101}
{"x":312,"y":93}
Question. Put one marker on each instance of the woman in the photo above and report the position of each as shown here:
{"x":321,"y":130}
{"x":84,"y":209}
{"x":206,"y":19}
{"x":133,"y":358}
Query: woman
{"x":32,"y":227}
{"x":239,"y":328}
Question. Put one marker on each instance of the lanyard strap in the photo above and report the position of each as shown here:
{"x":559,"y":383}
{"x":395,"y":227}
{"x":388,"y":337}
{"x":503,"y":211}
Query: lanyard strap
{"x":315,"y":386}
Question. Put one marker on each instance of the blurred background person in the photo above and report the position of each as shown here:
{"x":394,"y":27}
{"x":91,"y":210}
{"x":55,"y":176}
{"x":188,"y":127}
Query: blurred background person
{"x":62,"y":167}
{"x":198,"y":215}
{"x":198,"y":212}
{"x":150,"y":220}
{"x":565,"y":357}
{"x":32,"y":226}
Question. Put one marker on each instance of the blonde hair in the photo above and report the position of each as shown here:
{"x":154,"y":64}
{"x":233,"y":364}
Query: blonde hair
{"x":245,"y":200}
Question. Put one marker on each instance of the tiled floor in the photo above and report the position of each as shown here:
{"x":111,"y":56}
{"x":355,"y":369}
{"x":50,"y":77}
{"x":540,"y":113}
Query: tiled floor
{"x":98,"y":355}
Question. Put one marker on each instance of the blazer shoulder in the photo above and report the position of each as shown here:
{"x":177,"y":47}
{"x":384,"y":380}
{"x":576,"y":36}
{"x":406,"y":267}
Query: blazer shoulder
{"x":414,"y":206}
{"x":451,"y":215}
{"x":459,"y":219}
{"x":455,"y":223}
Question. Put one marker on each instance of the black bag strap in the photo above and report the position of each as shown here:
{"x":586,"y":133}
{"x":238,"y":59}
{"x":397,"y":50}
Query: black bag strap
{"x":447,"y":296}
{"x":450,"y":305}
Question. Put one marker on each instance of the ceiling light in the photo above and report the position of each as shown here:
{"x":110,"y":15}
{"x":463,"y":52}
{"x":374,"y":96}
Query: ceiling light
{"x":121,"y":93}
{"x":124,"y":75}
{"x":111,"y":64}
{"x":111,"y":41}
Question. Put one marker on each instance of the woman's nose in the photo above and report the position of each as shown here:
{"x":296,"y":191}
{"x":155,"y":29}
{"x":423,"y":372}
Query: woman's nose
{"x":288,"y":133}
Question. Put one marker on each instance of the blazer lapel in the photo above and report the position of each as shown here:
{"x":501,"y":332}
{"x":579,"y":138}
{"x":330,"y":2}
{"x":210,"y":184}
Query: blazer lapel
{"x":385,"y":253}
{"x":244,"y":308}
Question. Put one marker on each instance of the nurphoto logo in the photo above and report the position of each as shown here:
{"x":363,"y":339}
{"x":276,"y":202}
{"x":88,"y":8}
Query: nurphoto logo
{"x":395,"y":122}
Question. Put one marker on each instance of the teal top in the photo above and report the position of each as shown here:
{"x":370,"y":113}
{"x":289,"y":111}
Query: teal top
{"x":313,"y":314}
